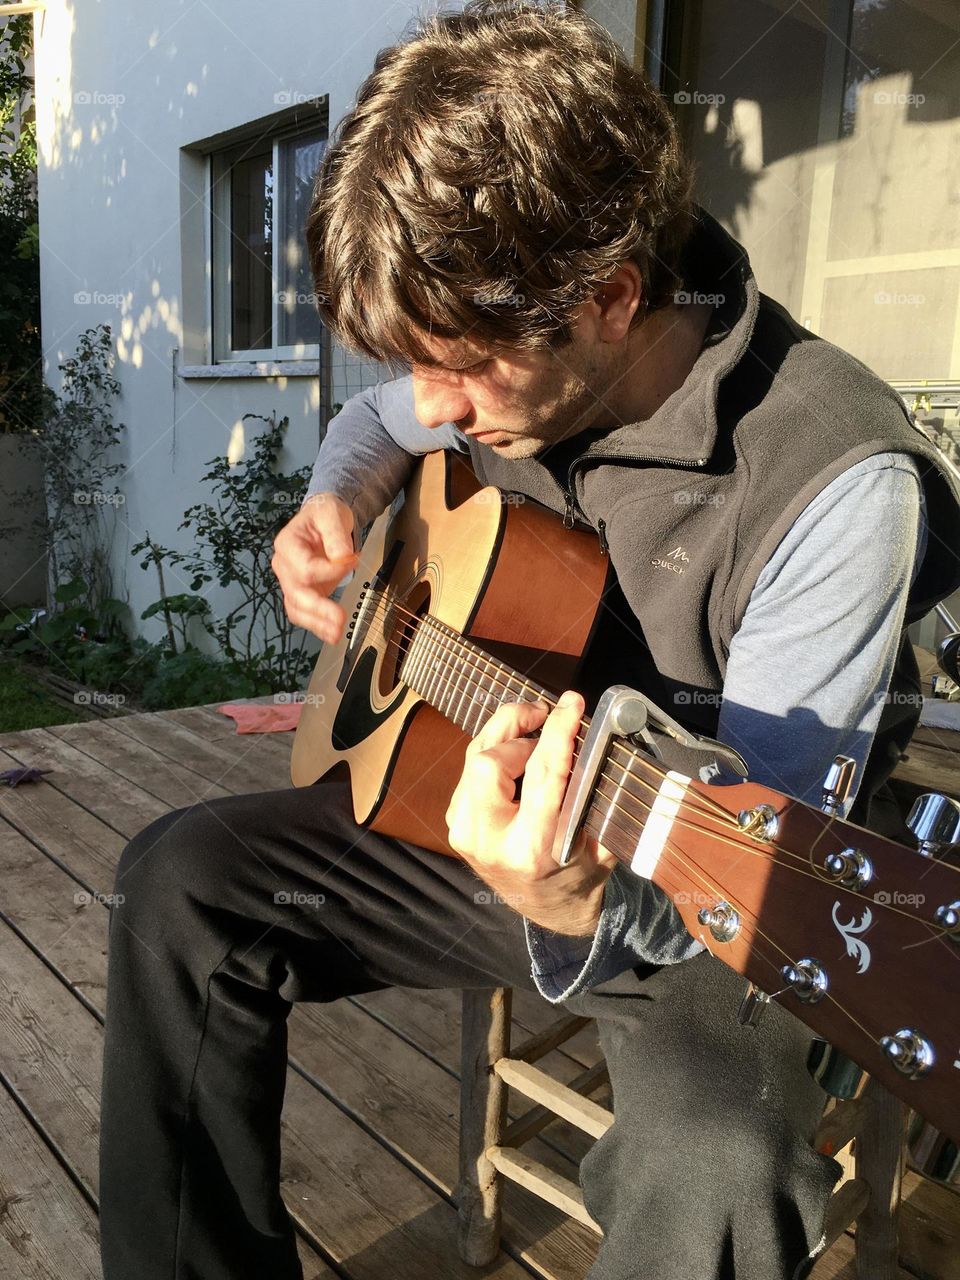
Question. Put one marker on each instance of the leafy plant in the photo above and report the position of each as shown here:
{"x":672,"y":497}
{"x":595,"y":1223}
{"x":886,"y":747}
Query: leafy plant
{"x":233,"y":545}
{"x":78,"y":441}
{"x":20,"y":355}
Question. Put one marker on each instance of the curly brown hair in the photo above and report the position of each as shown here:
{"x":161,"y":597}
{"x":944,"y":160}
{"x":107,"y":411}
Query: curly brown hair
{"x":497,"y":168}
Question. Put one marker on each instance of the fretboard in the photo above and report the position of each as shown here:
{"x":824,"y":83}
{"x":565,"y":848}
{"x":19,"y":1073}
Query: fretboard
{"x":461,"y":681}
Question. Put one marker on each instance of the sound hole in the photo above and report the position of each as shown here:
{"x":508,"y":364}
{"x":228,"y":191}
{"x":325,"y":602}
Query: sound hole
{"x":400,"y":632}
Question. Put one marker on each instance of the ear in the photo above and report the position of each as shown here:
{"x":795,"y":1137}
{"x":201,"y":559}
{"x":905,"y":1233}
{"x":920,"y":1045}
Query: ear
{"x":617,"y":301}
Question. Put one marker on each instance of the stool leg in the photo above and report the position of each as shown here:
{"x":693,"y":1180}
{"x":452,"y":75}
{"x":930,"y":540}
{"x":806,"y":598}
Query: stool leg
{"x":878,"y":1152}
{"x":484,"y":1037}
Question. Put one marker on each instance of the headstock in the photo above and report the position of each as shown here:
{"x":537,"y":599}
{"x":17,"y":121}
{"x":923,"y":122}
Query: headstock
{"x":855,"y":934}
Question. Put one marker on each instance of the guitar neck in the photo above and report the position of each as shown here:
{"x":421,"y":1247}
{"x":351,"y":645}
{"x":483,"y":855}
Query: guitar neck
{"x":466,"y":685}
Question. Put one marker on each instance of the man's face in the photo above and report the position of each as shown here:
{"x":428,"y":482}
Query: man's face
{"x":517,"y":403}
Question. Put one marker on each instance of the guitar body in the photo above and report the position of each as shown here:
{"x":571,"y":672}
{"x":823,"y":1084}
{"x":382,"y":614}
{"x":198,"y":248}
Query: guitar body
{"x":490,"y":566}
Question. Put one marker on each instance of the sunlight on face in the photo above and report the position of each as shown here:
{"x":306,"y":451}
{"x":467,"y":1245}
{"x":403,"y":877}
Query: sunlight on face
{"x":515,"y":402}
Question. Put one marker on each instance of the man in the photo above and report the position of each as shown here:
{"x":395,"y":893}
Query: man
{"x":507,"y":210}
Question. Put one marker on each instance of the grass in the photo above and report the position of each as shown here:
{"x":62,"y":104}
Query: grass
{"x":26,"y":704}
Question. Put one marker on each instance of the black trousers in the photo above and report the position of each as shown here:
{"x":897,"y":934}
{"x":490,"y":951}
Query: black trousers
{"x":706,"y":1174}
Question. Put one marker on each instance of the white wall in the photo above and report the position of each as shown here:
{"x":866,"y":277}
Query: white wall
{"x":152,"y":79}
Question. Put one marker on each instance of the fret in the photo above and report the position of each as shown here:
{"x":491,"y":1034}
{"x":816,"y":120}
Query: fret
{"x":433,"y":659}
{"x":436,"y":664}
{"x":449,"y":676}
{"x":415,"y":658}
{"x":464,"y":685}
{"x":481,"y":696}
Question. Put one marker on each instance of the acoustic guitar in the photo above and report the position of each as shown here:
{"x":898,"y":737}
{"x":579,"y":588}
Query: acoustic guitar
{"x":466,"y":597}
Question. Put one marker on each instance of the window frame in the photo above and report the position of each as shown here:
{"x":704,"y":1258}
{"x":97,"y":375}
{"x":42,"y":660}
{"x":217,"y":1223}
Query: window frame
{"x":219,"y":223}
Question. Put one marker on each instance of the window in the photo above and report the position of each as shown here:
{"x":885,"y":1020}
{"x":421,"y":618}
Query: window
{"x":263,"y":303}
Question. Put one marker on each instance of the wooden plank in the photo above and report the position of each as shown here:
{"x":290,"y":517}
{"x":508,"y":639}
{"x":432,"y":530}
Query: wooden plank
{"x":537,"y":1118}
{"x":54,"y":817}
{"x":413,"y":1104}
{"x":485,"y":1037}
{"x":878,"y":1161}
{"x":61,"y":827}
{"x":162,"y":776}
{"x":930,"y":1228}
{"x":838,"y":1264}
{"x":209,"y":724}
{"x":117,"y":802}
{"x":243,"y":765}
{"x":527,"y":1172}
{"x":541,"y":1042}
{"x":47,"y":1230}
{"x":534,"y":1083}
{"x":431,"y":1019}
{"x":845,"y":1205}
{"x":930,"y":768}
{"x":339,"y":1183}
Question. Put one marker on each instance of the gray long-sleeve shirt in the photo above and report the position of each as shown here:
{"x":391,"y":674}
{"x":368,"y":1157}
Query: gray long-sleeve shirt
{"x":807,"y":673}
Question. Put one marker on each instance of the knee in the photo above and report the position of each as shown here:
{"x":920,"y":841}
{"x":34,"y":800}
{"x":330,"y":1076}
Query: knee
{"x":170,"y":860}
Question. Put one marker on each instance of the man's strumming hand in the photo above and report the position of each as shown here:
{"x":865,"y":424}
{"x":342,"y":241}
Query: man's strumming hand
{"x":507,"y":842}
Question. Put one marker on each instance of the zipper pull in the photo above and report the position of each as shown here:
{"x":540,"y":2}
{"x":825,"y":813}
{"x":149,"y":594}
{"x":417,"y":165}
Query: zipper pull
{"x":601,"y":531}
{"x":568,"y":517}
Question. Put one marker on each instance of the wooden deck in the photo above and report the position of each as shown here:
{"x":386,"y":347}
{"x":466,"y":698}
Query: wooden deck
{"x":371,"y":1111}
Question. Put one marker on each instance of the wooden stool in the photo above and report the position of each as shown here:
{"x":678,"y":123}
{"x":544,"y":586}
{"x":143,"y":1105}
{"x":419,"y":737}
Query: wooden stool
{"x":869,"y":1193}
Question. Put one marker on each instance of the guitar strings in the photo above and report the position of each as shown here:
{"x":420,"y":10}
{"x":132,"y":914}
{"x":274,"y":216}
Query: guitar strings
{"x":429,"y":623}
{"x":675,"y":857}
{"x":744,"y":845}
{"x":695,"y":873}
{"x":720,"y":814}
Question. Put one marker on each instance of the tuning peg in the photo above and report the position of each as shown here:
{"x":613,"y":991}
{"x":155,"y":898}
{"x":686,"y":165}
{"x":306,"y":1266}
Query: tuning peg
{"x":935,"y":820}
{"x":835,"y":1073}
{"x":808,"y":979}
{"x":752,"y":1006}
{"x":933,"y":1153}
{"x":909,"y":1052}
{"x":723,"y":921}
{"x":837,"y":784}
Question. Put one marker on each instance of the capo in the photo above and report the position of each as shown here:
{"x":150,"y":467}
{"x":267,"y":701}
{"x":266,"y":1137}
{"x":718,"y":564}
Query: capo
{"x":626,"y":713}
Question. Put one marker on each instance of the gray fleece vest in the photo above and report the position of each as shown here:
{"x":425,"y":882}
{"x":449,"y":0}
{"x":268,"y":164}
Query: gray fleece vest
{"x":692,"y":501}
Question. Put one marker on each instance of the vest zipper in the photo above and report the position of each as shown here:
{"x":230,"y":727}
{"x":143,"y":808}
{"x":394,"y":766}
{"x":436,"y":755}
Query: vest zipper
{"x":602,"y":533}
{"x":569,"y":519}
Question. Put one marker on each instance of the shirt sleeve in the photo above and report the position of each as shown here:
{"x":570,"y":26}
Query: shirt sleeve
{"x":808,"y":671}
{"x":370,"y":447}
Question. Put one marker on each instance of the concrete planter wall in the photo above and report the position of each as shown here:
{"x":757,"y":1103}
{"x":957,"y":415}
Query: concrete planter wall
{"x":23,"y":562}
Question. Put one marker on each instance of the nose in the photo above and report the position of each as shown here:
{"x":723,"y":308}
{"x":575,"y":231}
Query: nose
{"x":436,"y":402}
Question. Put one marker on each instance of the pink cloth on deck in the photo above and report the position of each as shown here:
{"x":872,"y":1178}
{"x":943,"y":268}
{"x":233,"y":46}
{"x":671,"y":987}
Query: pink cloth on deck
{"x":263,"y":717}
